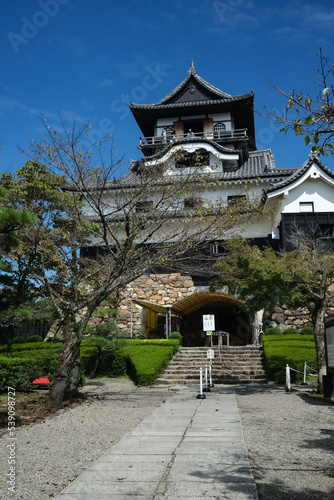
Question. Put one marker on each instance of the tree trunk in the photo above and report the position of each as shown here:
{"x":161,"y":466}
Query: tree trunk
{"x":319,"y":335}
{"x":66,"y":380}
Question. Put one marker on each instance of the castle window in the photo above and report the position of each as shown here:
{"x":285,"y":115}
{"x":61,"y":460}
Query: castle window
{"x":167,"y":131}
{"x":199,"y":158}
{"x":144,"y":206}
{"x":192,"y":203}
{"x":306,"y":206}
{"x":219,"y":126}
{"x":216,"y":249}
{"x":236,"y":199}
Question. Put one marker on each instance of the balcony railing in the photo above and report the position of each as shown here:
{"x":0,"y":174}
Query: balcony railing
{"x":218,"y":136}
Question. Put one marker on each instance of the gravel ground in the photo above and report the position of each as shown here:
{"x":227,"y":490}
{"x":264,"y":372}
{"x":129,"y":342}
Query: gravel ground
{"x":53,"y":452}
{"x":290,"y":438}
{"x":290,"y":441}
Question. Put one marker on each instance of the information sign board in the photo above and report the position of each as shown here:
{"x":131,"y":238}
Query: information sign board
{"x":208,"y":322}
{"x":210,"y":354}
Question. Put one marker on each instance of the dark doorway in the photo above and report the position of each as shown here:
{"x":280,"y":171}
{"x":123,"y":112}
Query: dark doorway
{"x":228,"y":318}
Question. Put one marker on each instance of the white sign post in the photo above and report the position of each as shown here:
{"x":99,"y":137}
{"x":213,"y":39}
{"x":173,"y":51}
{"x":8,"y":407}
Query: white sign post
{"x":208,"y":322}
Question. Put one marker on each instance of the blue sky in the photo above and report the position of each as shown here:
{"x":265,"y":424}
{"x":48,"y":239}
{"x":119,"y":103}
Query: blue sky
{"x":65,"y":59}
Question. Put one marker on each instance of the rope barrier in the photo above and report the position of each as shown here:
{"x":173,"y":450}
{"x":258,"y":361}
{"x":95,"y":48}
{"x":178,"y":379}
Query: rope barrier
{"x":288,"y":378}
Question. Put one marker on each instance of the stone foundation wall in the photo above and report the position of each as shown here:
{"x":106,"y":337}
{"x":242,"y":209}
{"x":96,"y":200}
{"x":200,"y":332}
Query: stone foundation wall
{"x":160,"y":289}
{"x":284,"y":317}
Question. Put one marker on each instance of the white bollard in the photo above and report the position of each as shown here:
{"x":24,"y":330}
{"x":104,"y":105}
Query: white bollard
{"x":287,"y":379}
{"x":201,"y":395}
{"x":206,"y":388}
{"x":304,"y":379}
{"x":210,"y":374}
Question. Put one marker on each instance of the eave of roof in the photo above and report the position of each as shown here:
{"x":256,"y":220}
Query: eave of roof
{"x":188,"y":104}
{"x":299,"y":172}
{"x":192,"y":140}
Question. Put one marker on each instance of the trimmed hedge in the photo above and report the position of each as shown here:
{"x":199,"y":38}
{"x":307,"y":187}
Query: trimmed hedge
{"x":274,"y":330}
{"x":20,"y":372}
{"x":293,"y":350}
{"x":30,"y":346}
{"x":142,"y":360}
{"x":146,"y":362}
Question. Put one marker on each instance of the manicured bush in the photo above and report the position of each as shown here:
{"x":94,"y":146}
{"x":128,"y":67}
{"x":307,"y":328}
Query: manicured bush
{"x":31,"y":346}
{"x":20,"y":372}
{"x":18,"y":340}
{"x":145,"y":362}
{"x":142,"y":360}
{"x":34,"y":338}
{"x":273,"y":331}
{"x":175,"y":335}
{"x":293,"y":350}
{"x":290,"y":331}
{"x":307,"y":330}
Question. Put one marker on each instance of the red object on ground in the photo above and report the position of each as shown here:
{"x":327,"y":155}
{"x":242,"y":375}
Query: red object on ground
{"x":41,"y":380}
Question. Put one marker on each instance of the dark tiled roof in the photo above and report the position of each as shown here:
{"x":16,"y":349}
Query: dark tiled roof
{"x":201,"y":81}
{"x":297,"y":173}
{"x":208,"y":94}
{"x":209,"y":102}
{"x":259,"y":165}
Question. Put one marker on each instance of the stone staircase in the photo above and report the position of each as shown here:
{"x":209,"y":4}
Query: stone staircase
{"x":235,"y":365}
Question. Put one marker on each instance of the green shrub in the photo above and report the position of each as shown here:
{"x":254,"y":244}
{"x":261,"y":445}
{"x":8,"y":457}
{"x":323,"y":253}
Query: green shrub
{"x":18,"y":340}
{"x":175,"y":335}
{"x":293,"y":350}
{"x":31,"y":346}
{"x":20,"y":372}
{"x":145,"y":362}
{"x":141,"y":336}
{"x":34,"y":338}
{"x":307,"y":330}
{"x":290,"y":331}
{"x":273,"y":331}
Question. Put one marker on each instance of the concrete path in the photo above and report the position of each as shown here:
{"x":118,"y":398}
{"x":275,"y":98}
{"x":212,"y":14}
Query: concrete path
{"x":187,"y":448}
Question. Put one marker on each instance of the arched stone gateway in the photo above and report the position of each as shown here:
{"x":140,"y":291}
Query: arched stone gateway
{"x":186,"y":316}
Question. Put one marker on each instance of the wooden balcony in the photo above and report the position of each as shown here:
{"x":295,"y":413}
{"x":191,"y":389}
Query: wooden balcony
{"x":221,"y":136}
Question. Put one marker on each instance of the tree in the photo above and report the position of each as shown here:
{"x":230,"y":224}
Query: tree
{"x":136,"y":224}
{"x":314,"y":115}
{"x":14,"y":290}
{"x":302,"y":277}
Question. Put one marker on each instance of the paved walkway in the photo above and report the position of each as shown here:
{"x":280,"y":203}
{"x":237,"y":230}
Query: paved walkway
{"x":187,"y":448}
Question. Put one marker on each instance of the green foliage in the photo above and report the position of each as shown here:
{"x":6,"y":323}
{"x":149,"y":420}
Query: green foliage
{"x":307,"y":330}
{"x":18,"y":340}
{"x":142,"y":360}
{"x":10,"y":221}
{"x":290,"y":331}
{"x":145,"y":362}
{"x":20,"y":372}
{"x":32,"y":346}
{"x":141,"y":336}
{"x":34,"y":338}
{"x":293,"y":350}
{"x":273,"y":331}
{"x":176,"y":335}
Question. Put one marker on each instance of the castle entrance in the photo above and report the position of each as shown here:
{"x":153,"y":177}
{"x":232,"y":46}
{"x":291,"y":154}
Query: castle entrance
{"x":186,"y":317}
{"x":229,"y":319}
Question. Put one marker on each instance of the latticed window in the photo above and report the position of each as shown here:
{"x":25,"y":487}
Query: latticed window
{"x":219,"y":126}
{"x":199,"y":158}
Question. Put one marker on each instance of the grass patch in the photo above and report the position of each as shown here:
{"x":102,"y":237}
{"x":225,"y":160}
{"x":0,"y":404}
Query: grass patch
{"x":294,"y":350}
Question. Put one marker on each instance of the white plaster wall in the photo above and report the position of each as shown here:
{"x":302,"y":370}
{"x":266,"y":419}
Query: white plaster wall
{"x":311,"y":190}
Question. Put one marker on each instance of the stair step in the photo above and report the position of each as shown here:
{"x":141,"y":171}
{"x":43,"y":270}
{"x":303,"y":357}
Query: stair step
{"x":231,"y":366}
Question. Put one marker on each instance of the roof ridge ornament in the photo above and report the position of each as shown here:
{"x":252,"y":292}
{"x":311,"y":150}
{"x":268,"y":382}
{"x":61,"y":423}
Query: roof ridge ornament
{"x":191,"y":70}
